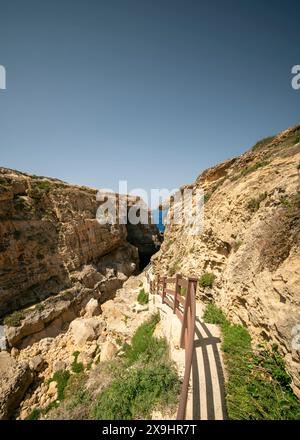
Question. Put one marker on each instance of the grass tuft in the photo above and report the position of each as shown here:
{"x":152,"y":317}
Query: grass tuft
{"x":207,"y":279}
{"x":77,"y":367}
{"x":143,"y":297}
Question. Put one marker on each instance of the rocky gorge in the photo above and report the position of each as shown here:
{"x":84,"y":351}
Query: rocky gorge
{"x":55,"y":257}
{"x":69,"y":285}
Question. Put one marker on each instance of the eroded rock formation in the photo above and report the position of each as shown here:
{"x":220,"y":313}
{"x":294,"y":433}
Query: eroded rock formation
{"x":55,"y":255}
{"x":250,"y":242}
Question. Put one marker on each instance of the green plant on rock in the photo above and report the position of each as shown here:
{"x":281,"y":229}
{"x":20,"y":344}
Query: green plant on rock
{"x":285,"y":201}
{"x":263,"y":142}
{"x":35,"y":414}
{"x":143,"y":297}
{"x":207,"y":279}
{"x":207,"y":196}
{"x":61,"y":377}
{"x":144,"y":346}
{"x":43,"y":185}
{"x":296,"y":138}
{"x":254,"y":167}
{"x":76,"y":367}
{"x":15,"y":318}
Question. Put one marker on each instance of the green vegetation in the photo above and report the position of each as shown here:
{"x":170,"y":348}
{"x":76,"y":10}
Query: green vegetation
{"x":298,"y":166}
{"x":254,"y":167}
{"x":148,"y":379}
{"x":143,"y":297}
{"x":77,"y":367}
{"x":213,"y":315}
{"x":14,"y":319}
{"x":207,"y":279}
{"x":135,"y":394}
{"x":43,"y":185}
{"x":183,"y":291}
{"x":296,"y":138}
{"x":61,"y":377}
{"x":263,"y":142}
{"x":254,"y":204}
{"x":143,"y":343}
{"x":258,"y":386}
{"x":249,"y":169}
{"x":285,"y":201}
{"x":207,"y":196}
{"x":34,"y":415}
{"x":131,"y":386}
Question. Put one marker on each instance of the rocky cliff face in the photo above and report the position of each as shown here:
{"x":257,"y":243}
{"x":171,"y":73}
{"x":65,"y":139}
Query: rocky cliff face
{"x":54,"y":254}
{"x":250,"y":242}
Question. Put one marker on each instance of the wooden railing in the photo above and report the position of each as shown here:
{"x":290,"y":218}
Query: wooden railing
{"x":182,"y":300}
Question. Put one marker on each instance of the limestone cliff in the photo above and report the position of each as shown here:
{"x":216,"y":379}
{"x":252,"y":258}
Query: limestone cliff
{"x":250,"y":242}
{"x":52,"y":249}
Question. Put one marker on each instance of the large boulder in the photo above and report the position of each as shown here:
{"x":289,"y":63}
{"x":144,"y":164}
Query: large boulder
{"x":84,"y":330}
{"x":108,"y":351}
{"x":15,"y":379}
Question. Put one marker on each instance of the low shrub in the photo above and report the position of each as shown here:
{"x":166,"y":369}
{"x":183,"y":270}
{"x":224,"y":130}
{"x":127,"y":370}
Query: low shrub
{"x":262,"y":143}
{"x":14,"y":319}
{"x":77,"y":367}
{"x":207,"y":279}
{"x":143,"y":297}
{"x":136,"y":393}
{"x":34,"y":415}
{"x":143,"y":344}
{"x":61,"y":377}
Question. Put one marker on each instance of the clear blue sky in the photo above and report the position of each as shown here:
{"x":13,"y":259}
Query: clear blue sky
{"x":144,"y":90}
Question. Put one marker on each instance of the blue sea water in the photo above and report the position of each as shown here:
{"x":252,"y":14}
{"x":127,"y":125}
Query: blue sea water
{"x":158,"y":217}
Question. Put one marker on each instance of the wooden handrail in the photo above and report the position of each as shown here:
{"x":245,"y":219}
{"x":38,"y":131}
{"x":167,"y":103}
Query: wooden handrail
{"x":187,"y":318}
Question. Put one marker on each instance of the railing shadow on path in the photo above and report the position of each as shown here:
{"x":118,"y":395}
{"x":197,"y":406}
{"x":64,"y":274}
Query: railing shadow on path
{"x":204,"y":342}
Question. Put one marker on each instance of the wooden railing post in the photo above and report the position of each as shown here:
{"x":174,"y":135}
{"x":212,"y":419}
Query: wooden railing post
{"x":177,"y":292}
{"x":164,"y":286}
{"x":189,"y":328}
{"x":157,"y":287}
{"x":188,"y":304}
